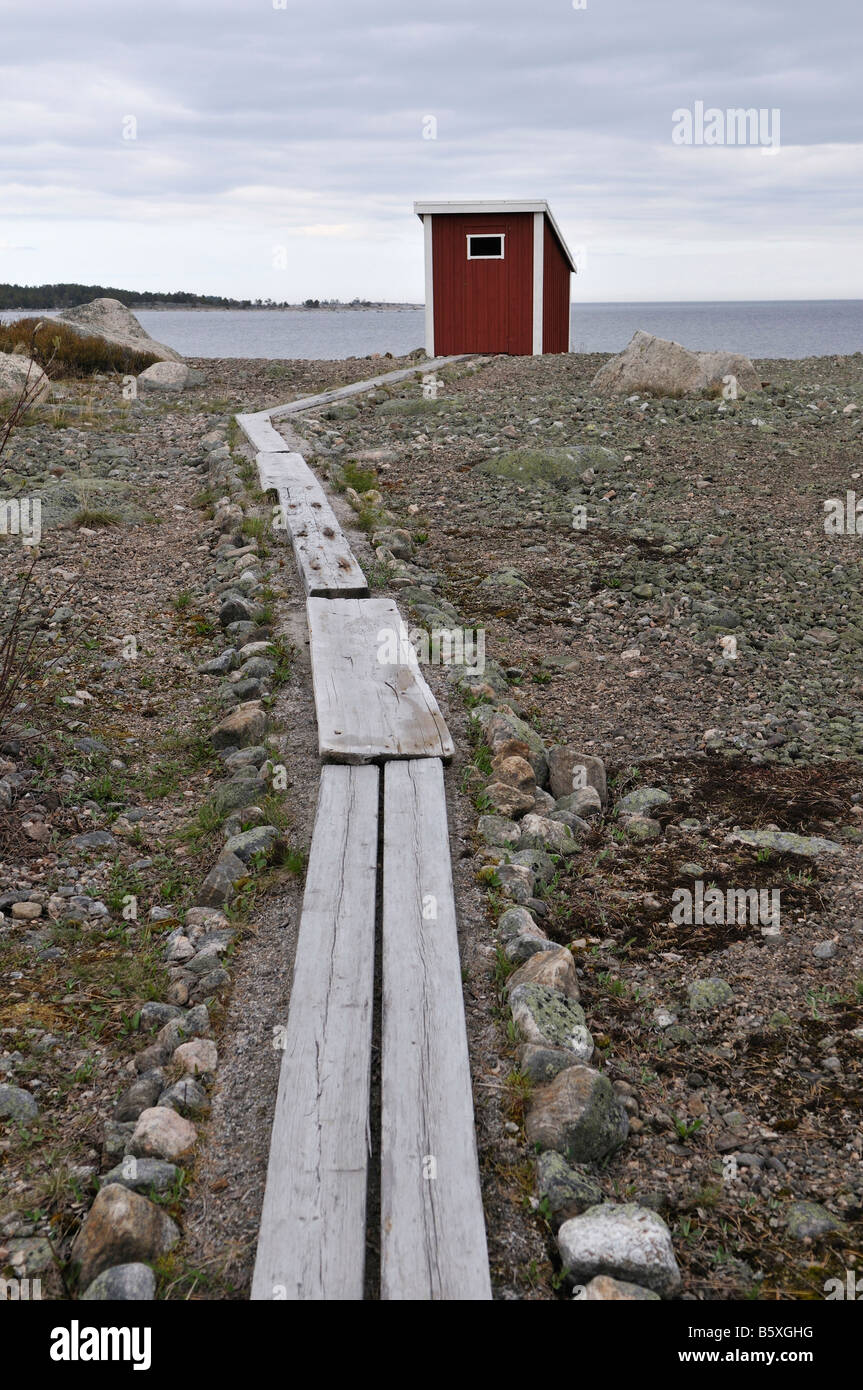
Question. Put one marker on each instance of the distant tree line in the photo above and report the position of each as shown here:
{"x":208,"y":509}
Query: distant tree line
{"x":67,"y":296}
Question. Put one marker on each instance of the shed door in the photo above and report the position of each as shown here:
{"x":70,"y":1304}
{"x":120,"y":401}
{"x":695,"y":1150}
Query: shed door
{"x":483,"y":268}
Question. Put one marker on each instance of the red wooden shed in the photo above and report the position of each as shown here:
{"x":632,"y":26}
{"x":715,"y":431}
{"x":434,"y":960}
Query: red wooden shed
{"x":497,"y":278}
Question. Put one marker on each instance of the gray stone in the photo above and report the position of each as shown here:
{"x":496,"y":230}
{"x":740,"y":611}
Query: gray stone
{"x":498,"y":830}
{"x":140,"y":1096}
{"x":17,"y":1104}
{"x":623,"y":1241}
{"x":218,"y":886}
{"x":538,"y":832}
{"x":19,"y":373}
{"x":260,"y":840}
{"x":187,"y":1097}
{"x":132,"y":1283}
{"x":542,"y":1064}
{"x":665,"y":368}
{"x":564,"y":763}
{"x":165,"y":376}
{"x":95,"y":839}
{"x":143,"y":1174}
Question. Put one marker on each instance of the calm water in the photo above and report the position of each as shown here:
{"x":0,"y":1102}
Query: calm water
{"x":774,"y":328}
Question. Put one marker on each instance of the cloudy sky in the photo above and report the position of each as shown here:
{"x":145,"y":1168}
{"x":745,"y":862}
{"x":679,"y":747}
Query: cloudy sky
{"x":274,"y":147}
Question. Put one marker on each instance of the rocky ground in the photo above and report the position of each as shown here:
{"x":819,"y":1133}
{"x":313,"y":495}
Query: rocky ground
{"x":656,"y":590}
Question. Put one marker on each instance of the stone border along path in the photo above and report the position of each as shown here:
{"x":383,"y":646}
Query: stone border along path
{"x":312,"y":1237}
{"x":152,"y":1134}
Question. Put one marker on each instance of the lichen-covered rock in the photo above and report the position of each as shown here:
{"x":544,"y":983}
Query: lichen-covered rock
{"x":538,"y":832}
{"x":519,"y":934}
{"x":578,"y":1115}
{"x":642,"y":800}
{"x":623,"y":1241}
{"x":807,"y":1221}
{"x":564,"y":1191}
{"x":541,"y":1064}
{"x":498,"y":830}
{"x":548,"y":1018}
{"x":785,"y":842}
{"x":709,"y":994}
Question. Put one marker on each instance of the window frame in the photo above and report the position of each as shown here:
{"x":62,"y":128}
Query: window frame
{"x":501,"y":236}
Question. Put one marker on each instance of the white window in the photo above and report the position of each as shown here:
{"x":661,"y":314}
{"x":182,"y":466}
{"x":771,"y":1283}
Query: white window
{"x":481,"y":247}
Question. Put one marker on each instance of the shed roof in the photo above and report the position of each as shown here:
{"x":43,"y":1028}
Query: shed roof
{"x":492,"y":206}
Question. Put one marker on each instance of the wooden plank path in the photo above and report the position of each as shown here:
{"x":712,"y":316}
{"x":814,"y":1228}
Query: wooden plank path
{"x":373,"y":705}
{"x":356,"y":388}
{"x":433,"y":1243}
{"x":370,"y":707}
{"x":313,"y":1224}
{"x":260,"y":432}
{"x":324,"y":559}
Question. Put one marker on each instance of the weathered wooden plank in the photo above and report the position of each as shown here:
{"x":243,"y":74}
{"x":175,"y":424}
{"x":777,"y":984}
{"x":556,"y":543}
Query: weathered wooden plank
{"x":260,"y":433}
{"x":326,"y":562}
{"x":371,"y":699}
{"x":433,"y":1243}
{"x":356,"y":388}
{"x":313,"y":1224}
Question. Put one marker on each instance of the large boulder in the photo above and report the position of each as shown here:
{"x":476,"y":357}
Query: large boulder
{"x":666,"y":368}
{"x":109,"y":319}
{"x":165,"y":376}
{"x":18,"y":371}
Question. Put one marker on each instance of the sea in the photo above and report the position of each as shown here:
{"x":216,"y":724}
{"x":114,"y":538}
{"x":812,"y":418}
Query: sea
{"x":763,"y":328}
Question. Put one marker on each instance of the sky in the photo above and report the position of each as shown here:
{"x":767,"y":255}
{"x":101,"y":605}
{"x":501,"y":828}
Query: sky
{"x":274,"y":148}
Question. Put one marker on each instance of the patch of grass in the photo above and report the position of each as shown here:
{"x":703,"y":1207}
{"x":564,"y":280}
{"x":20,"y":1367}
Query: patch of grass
{"x":61,"y":352}
{"x":360,"y":479}
{"x":94,"y":518}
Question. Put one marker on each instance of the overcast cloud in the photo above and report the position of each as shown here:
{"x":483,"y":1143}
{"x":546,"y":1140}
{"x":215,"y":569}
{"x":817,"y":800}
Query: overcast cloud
{"x":302,"y":128}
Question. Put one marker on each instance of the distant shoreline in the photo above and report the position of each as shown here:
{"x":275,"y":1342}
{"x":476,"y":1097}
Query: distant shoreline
{"x":154,"y":305}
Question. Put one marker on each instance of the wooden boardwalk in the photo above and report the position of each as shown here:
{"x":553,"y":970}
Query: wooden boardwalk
{"x":324,"y":559}
{"x":370,"y":707}
{"x":380,"y":852}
